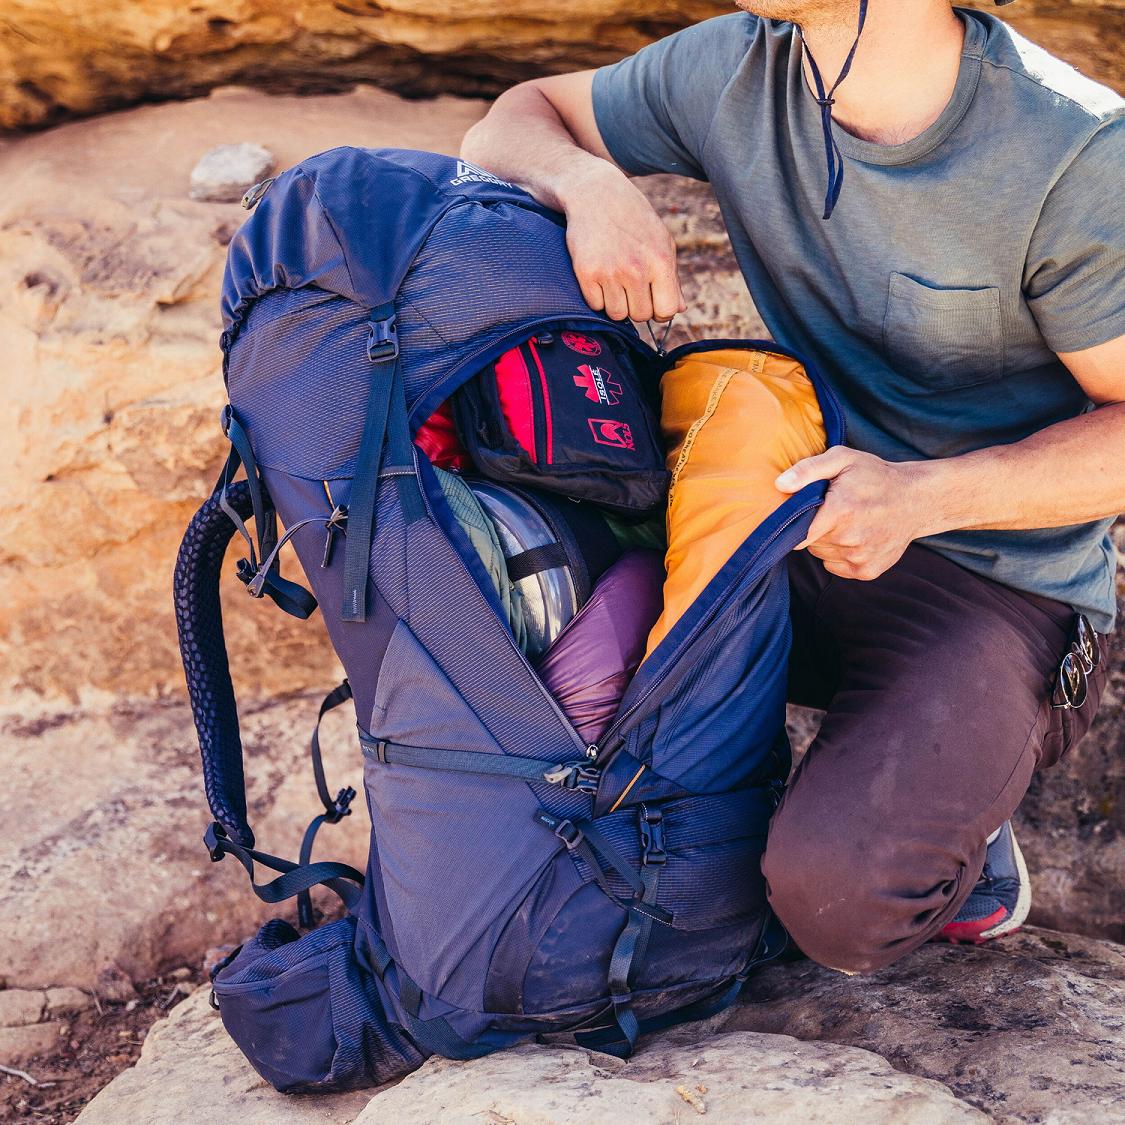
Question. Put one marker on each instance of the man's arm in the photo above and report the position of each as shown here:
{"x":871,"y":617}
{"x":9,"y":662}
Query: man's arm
{"x":1071,"y":472}
{"x":543,"y":135}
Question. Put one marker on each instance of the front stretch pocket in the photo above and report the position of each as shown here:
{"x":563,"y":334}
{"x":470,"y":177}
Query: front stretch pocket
{"x":308,"y":1015}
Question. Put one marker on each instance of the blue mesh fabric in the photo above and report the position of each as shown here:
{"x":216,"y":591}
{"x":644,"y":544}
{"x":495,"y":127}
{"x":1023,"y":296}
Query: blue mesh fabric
{"x":298,"y":378}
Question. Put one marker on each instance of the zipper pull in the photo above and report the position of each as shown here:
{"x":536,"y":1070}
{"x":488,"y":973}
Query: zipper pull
{"x":338,"y":520}
{"x":546,"y":339}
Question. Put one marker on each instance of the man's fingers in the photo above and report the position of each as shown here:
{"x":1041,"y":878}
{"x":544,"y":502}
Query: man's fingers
{"x":639,"y":297}
{"x":821,"y":526}
{"x":616,"y":301}
{"x":592,"y":294}
{"x":667,"y":300}
{"x":824,"y":466}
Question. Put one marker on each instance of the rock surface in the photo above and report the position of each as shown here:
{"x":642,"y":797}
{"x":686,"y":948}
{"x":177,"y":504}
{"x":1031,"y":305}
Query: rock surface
{"x":111,"y":884}
{"x":1029,"y":1030}
{"x":71,"y":58}
{"x":223,"y":174}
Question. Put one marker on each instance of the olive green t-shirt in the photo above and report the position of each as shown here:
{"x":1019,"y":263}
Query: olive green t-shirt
{"x":953,"y":269}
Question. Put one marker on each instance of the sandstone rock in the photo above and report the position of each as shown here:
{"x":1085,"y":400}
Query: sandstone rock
{"x":223,"y":174}
{"x":18,"y":1044}
{"x":189,"y":1067}
{"x":82,"y":58}
{"x":730,"y":1079}
{"x":1031,"y":1028}
{"x":190,"y":1070}
{"x":1027,"y":1030}
{"x":72,"y":58}
{"x":120,"y":843}
{"x":64,"y":1001}
{"x":19,"y":1006}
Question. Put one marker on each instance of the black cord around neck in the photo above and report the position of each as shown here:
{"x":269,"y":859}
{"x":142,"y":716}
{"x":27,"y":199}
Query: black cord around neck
{"x":826,"y":101}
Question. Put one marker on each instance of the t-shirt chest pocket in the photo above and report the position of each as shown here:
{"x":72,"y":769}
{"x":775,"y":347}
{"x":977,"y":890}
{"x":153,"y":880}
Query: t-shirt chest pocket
{"x":940,"y":339}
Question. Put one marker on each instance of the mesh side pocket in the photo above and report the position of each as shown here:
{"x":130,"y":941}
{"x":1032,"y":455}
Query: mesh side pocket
{"x":308,"y":1015}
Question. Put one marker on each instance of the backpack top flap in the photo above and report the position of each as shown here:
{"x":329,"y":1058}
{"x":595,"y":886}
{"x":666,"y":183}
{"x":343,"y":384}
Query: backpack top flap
{"x":349,"y":221}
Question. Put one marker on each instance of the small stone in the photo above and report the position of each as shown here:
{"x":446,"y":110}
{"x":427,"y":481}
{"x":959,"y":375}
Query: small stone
{"x":223,"y":174}
{"x":114,"y":984}
{"x":63,"y":1000}
{"x":20,"y":1006}
{"x":182,"y":973}
{"x":17,"y":1044}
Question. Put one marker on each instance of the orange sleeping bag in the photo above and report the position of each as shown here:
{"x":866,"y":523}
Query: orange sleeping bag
{"x":732,"y":420}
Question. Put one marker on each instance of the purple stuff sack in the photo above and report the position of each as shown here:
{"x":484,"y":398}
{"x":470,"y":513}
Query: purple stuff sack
{"x":590,"y":663}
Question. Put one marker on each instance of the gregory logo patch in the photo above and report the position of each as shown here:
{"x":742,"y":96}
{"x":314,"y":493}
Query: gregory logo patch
{"x":600,"y":386}
{"x":584,"y":345}
{"x":471,"y":174}
{"x":609,"y":431}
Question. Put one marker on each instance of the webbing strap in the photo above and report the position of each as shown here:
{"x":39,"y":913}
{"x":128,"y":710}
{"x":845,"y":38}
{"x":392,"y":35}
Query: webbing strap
{"x":570,"y":775}
{"x":241,"y":454}
{"x":535,"y":560}
{"x":342,"y":878}
{"x":629,"y":952}
{"x":335,"y":808}
{"x":382,"y":350}
{"x":260,"y":573}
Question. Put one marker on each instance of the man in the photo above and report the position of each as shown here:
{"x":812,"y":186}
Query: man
{"x":965,"y":297}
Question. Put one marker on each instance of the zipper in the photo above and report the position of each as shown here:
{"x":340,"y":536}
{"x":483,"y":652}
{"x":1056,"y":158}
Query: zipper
{"x":698,"y":628}
{"x":536,"y":372}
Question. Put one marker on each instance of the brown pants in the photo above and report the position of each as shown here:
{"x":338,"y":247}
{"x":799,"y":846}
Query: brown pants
{"x":936,"y":683}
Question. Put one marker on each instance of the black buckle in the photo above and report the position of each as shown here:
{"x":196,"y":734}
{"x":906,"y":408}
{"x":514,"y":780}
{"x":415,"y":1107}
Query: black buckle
{"x":253,"y":578}
{"x":565,"y":830}
{"x":574,"y":775}
{"x":211,"y":841}
{"x":382,"y":340}
{"x":653,"y":852}
{"x":341,"y":807}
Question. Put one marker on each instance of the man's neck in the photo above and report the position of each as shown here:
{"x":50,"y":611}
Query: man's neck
{"x":904,"y":70}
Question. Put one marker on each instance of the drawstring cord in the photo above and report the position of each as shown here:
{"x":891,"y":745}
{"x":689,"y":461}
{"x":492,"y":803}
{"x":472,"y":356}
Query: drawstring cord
{"x":826,"y":101}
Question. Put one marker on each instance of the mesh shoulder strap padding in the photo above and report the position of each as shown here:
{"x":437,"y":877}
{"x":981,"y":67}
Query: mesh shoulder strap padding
{"x":199,"y":622}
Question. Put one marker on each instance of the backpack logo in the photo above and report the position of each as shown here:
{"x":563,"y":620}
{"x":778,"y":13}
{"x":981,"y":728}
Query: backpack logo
{"x":601,"y":386}
{"x":609,"y":431}
{"x":470,"y":174}
{"x":584,"y":345}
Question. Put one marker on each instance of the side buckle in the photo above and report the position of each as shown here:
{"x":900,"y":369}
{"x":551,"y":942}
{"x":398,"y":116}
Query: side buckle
{"x":211,"y":841}
{"x":653,"y":852}
{"x":574,"y":775}
{"x":341,"y":807}
{"x":382,"y":340}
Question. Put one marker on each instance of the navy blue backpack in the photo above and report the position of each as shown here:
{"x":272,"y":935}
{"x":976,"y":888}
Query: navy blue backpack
{"x":520,"y":882}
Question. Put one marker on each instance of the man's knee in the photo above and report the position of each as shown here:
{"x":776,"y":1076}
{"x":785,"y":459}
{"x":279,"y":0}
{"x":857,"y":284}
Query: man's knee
{"x":847,"y":900}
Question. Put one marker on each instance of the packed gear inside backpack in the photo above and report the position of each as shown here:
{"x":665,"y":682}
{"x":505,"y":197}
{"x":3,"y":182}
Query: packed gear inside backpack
{"x":551,"y":559}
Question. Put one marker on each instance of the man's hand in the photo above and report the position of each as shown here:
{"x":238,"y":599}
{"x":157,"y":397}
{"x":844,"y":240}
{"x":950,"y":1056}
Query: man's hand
{"x":873,"y":511}
{"x":623,"y":255}
{"x":542,"y":135}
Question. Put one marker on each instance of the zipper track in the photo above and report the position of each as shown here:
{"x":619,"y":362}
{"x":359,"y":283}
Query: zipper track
{"x":700,"y":625}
